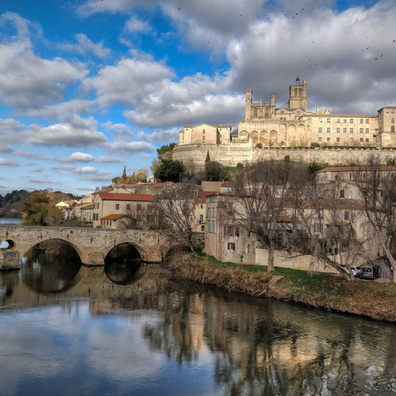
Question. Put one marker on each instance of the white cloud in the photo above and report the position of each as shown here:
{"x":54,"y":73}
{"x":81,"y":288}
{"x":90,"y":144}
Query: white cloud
{"x":86,"y":169}
{"x":129,"y":81}
{"x":134,"y":25}
{"x":85,"y":46}
{"x":79,"y":157}
{"x":110,"y":160}
{"x":130,"y":147}
{"x":160,"y":136}
{"x":66,"y":135}
{"x":27,"y":81}
{"x":94,"y":6}
{"x":6,"y":162}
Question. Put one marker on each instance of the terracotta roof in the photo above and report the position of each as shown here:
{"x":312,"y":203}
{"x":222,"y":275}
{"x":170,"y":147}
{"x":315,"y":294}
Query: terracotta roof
{"x":90,"y":206}
{"x":125,"y":197}
{"x":112,"y":217}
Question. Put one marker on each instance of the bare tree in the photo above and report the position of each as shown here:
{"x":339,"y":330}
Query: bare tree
{"x":262,"y":195}
{"x":148,"y":217}
{"x":177,"y":205}
{"x":377,"y":186}
{"x":330,"y":229}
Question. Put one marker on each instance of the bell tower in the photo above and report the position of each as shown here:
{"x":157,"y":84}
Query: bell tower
{"x":298,"y":95}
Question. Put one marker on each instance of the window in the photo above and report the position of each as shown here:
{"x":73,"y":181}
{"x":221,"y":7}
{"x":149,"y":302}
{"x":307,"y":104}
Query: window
{"x":231,"y":246}
{"x":328,"y":139}
{"x":344,"y":121}
{"x":361,"y":130}
{"x":392,"y":128}
{"x":344,"y":130}
{"x":201,"y":218}
{"x":328,"y":130}
{"x":342,"y":193}
{"x":248,"y":248}
{"x":128,"y":206}
{"x":320,"y":214}
{"x":320,"y":129}
{"x":338,"y":139}
{"x":367,"y":120}
{"x":139,"y":206}
{"x":318,"y":227}
{"x":320,"y":120}
{"x":202,"y":228}
{"x":338,"y":130}
{"x":367,"y":130}
{"x":351,"y":130}
{"x":361,"y":140}
{"x":320,"y":139}
{"x":351,"y":120}
{"x":346,"y":215}
{"x":117,"y":206}
{"x":328,"y":120}
{"x":338,"y":120}
{"x":361,"y":120}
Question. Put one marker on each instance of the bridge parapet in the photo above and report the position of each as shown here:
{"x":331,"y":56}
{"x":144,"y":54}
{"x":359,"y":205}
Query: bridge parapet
{"x":92,"y":244}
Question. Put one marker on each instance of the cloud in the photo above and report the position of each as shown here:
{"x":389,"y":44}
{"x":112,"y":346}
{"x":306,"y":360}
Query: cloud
{"x":39,"y":181}
{"x":85,"y":46}
{"x":63,"y":167}
{"x":66,"y":135}
{"x":27,"y":81}
{"x":6,"y":162}
{"x":160,"y":136}
{"x":91,"y":7}
{"x":129,"y":81}
{"x":110,"y":160}
{"x":79,"y":157}
{"x":86,"y":169}
{"x":134,"y":25}
{"x":63,"y":111}
{"x":130,"y":147}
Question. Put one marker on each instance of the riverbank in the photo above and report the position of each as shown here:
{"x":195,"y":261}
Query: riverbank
{"x":371,"y":299}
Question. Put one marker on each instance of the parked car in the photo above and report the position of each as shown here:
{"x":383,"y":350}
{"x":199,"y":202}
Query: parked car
{"x":356,"y":270}
{"x":368,"y":273}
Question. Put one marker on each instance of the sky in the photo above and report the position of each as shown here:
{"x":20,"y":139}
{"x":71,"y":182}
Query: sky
{"x":88,"y":87}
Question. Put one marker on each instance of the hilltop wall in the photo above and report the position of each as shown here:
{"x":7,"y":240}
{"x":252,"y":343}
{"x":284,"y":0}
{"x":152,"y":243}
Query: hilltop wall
{"x":233,"y":153}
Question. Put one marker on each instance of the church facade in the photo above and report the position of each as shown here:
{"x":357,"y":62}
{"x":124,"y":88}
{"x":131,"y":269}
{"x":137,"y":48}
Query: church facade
{"x":266,"y":126}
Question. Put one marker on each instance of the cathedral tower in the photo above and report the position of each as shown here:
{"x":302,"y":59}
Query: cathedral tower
{"x":298,"y":96}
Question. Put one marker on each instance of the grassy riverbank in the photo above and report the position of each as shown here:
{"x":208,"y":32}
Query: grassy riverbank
{"x":362,"y":297}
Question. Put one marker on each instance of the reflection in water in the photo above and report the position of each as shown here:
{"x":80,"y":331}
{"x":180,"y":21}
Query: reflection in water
{"x":50,"y":268}
{"x":123,"y":273}
{"x":158,"y":337}
{"x":122,"y":264}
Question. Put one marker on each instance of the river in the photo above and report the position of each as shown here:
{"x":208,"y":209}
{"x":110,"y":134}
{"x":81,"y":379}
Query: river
{"x":67,"y":329}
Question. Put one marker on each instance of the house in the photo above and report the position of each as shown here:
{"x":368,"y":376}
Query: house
{"x":109,"y":208}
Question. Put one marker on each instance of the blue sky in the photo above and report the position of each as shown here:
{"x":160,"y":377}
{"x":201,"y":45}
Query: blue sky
{"x":87,"y":87}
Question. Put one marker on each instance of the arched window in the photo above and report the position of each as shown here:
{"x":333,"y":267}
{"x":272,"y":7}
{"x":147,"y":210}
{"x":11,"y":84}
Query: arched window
{"x":393,"y":128}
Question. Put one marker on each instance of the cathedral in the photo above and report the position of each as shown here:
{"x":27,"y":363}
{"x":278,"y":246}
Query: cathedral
{"x":268,"y":126}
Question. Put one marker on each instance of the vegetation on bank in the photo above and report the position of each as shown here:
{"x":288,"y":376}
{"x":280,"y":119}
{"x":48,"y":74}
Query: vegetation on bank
{"x":361,"y":297}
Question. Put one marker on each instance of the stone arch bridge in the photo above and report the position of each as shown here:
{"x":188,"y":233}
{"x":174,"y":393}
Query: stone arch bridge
{"x":91,"y":244}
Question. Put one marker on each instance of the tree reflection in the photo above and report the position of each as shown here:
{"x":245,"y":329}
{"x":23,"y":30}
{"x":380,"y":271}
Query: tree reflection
{"x":260,"y":349}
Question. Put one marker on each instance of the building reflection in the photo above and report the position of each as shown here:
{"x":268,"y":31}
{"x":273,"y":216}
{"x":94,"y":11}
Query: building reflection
{"x":259,"y":347}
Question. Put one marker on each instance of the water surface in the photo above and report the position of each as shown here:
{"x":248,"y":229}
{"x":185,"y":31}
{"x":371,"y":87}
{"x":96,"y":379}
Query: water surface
{"x":69,"y":332}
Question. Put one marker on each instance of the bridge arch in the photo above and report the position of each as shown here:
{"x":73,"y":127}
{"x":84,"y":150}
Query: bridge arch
{"x":92,"y":245}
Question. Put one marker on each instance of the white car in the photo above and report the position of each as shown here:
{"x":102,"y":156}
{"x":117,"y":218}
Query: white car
{"x":355,"y":270}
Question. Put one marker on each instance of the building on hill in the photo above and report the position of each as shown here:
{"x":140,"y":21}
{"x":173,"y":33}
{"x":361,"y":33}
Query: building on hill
{"x":266,"y":126}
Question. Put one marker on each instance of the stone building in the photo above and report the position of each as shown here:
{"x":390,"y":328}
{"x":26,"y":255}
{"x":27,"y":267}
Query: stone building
{"x":292,"y":127}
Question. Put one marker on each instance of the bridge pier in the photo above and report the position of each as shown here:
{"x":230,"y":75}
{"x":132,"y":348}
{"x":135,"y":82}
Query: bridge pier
{"x":9,"y":260}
